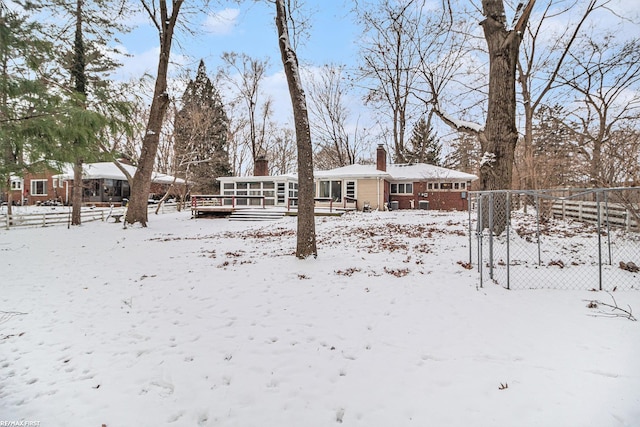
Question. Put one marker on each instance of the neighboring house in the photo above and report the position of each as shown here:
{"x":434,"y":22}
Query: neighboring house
{"x":105,"y":183}
{"x":379,"y":186}
{"x":35,"y":187}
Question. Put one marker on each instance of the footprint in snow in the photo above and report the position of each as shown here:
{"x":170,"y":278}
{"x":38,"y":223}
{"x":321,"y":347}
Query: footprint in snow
{"x":175,"y":417}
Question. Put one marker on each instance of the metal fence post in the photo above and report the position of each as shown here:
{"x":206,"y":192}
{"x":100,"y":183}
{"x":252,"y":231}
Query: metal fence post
{"x":479,"y":231}
{"x":598,"y":196}
{"x":606,"y":210}
{"x":538,"y":229}
{"x":491,"y":203}
{"x":508,"y":216}
{"x":470,"y":240}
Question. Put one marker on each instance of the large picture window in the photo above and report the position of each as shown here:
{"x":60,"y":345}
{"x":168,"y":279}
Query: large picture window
{"x":330,"y":189}
{"x":38,"y":187}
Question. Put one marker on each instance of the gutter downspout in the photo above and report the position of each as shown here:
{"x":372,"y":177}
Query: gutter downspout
{"x":378,"y":188}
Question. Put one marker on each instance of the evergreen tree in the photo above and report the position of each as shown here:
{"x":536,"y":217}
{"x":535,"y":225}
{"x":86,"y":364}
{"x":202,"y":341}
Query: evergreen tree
{"x":465,"y":154}
{"x":55,"y":102}
{"x":201,"y":134}
{"x":29,"y":110}
{"x":423,"y":146}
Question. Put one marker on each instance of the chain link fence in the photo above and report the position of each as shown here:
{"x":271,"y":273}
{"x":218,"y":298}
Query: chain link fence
{"x":556,"y":239}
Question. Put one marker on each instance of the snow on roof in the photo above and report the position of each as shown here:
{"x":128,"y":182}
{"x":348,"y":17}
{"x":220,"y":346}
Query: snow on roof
{"x":286,"y":177}
{"x":108,"y":170}
{"x":352,"y":171}
{"x":422,"y":171}
{"x":413,"y":172}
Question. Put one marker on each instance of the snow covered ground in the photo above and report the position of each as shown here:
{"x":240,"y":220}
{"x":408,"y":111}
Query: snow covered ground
{"x":215,"y":323}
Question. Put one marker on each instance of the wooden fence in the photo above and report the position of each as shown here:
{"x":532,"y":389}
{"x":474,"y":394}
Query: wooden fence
{"x":63,"y":216}
{"x":615,"y":214}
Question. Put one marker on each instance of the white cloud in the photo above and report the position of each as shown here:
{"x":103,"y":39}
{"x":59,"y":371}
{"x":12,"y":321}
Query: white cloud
{"x":222,"y":22}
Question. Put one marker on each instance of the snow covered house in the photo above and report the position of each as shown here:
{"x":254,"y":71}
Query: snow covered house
{"x":105,"y":183}
{"x":396,"y":186}
{"x":378,"y":186}
{"x":35,"y":186}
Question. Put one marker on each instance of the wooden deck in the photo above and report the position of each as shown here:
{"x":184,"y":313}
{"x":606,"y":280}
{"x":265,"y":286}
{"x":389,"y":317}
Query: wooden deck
{"x":225,"y":206}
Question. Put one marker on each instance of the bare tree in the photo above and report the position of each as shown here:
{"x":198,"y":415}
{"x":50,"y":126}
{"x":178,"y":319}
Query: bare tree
{"x":390,"y":57}
{"x":542,"y":58}
{"x":552,"y":154}
{"x":246,"y":74}
{"x":165,"y":18}
{"x":500,"y":135}
{"x":603,"y":75}
{"x":283,"y":156}
{"x":327,"y":95}
{"x":620,"y":165}
{"x":306,"y":233}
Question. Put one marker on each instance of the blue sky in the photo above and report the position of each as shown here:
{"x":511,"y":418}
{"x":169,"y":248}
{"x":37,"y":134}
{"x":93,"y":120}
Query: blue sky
{"x":249,"y":28}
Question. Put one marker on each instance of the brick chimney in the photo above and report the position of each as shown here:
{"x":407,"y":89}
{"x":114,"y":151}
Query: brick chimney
{"x":261,"y":166}
{"x":381,"y":158}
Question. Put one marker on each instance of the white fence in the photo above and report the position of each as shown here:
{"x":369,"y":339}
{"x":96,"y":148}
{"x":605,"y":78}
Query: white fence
{"x":614,"y":214}
{"x":62,"y":215}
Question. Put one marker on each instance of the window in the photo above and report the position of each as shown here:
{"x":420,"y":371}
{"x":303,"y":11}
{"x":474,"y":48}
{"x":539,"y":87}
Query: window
{"x":404,"y":188}
{"x":463,"y":185}
{"x":16,"y":184}
{"x":293,"y":189}
{"x":280,"y":193}
{"x":456,"y":185}
{"x":446,"y":186}
{"x":228,"y":186}
{"x":38,"y":187}
{"x":330,"y":189}
{"x":351,"y":189}
{"x":430,"y":186}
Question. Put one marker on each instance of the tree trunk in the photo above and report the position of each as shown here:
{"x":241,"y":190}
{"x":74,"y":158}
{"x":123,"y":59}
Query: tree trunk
{"x":500,"y":132}
{"x":500,"y":135}
{"x":76,"y":194}
{"x":141,"y":186}
{"x":306,"y":242}
{"x":9,"y":196}
{"x":78,"y":73}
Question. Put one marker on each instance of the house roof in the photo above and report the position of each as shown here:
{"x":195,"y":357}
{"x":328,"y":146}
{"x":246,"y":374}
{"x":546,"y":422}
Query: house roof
{"x":108,"y":170}
{"x":287,"y":177}
{"x":353,"y":171}
{"x":422,"y":171}
{"x":399,"y":172}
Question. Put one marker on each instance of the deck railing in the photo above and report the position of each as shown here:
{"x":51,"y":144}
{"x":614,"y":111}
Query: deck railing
{"x":201,"y":200}
{"x":345,"y":201}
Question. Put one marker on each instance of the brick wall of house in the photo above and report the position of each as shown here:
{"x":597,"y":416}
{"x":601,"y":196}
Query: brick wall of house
{"x":441,"y":200}
{"x":52,"y":192}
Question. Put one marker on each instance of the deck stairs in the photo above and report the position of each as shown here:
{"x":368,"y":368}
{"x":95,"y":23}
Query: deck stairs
{"x":256,"y":215}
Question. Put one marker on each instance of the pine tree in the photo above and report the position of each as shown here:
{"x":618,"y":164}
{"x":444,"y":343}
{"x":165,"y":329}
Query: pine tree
{"x":30,"y":111}
{"x":465,"y":154}
{"x":201,"y":134}
{"x":423,"y":146}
